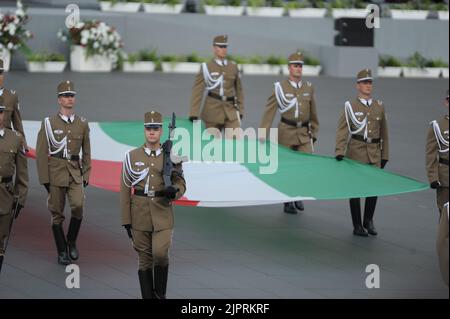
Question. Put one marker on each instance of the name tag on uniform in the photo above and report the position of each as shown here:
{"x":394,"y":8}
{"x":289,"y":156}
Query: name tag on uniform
{"x":305,"y":94}
{"x":139,"y":164}
{"x":289,"y":95}
{"x":359,"y":113}
{"x":58,"y":132}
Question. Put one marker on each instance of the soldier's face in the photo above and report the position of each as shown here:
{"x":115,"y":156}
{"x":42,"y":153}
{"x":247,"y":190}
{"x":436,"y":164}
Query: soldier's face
{"x":153,"y":135}
{"x":67,"y":101}
{"x":295,"y":70}
{"x":365,"y":87}
{"x":221,"y":51}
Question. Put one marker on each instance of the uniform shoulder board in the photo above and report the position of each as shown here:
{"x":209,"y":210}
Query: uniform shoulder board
{"x":83,"y":119}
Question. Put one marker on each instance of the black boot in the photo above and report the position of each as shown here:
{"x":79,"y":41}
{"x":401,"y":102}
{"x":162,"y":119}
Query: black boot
{"x":161,"y":274}
{"x":355,"y":210}
{"x":72,"y":235}
{"x":299,"y":205}
{"x":289,"y":208}
{"x":1,"y":263}
{"x":61,"y":245}
{"x":369,"y":211}
{"x":146,"y":282}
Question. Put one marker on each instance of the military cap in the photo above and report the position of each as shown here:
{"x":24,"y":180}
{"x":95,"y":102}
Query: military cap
{"x":221,"y":40}
{"x":2,"y":67}
{"x":153,"y":119}
{"x":364,"y":75}
{"x":66,"y":87}
{"x":296,"y":58}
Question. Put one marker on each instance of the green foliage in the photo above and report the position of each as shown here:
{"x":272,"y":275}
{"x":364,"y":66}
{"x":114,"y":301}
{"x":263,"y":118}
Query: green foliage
{"x":417,"y":61}
{"x":46,"y":57}
{"x":389,"y":61}
{"x":276,"y":60}
{"x":437,"y":63}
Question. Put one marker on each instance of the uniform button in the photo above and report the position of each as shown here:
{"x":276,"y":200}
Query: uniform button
{"x":368,"y":122}
{"x":153,"y":187}
{"x":368,"y":113}
{"x":152,"y":198}
{"x":370,"y":131}
{"x":68,"y":131}
{"x":153,"y":164}
{"x":153,"y":175}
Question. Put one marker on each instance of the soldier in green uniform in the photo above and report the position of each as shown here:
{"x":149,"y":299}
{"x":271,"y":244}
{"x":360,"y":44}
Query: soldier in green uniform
{"x":294,"y":99}
{"x":224,"y":102}
{"x":13,"y":178}
{"x":146,"y":206}
{"x":362,"y":135}
{"x":12,"y":116}
{"x":62,"y":170}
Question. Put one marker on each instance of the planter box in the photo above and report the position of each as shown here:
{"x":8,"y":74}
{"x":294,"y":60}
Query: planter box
{"x":46,"y":67}
{"x":443,"y":15}
{"x":308,"y":13}
{"x":224,"y":10}
{"x":96,"y":63}
{"x":265,"y":12}
{"x":409,"y":14}
{"x":139,"y":66}
{"x":180,"y":67}
{"x":349,"y":13}
{"x":389,"y":72}
{"x":120,"y":7}
{"x":261,"y":69}
{"x":5,"y":55}
{"x":444,"y":72}
{"x":421,"y":73}
{"x":308,"y":70}
{"x":163,"y":8}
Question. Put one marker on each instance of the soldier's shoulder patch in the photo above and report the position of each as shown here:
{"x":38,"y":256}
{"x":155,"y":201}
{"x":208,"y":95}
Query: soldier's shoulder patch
{"x":18,"y":134}
{"x":308,"y":83}
{"x":83,"y":119}
{"x":13,"y":92}
{"x":380,"y":102}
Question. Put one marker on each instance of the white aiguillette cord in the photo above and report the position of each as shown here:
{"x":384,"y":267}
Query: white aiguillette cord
{"x":211,"y":83}
{"x":52,"y":142}
{"x":283,"y":103}
{"x":441,"y":140}
{"x":360,"y":125}
{"x":131,"y":177}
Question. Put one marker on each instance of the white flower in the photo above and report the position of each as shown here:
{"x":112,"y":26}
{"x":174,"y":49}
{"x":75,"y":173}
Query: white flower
{"x":10,"y":46}
{"x":83,"y":41}
{"x":96,"y":45}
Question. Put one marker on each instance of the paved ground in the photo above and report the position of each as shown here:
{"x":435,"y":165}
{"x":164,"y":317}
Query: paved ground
{"x":255,"y":252}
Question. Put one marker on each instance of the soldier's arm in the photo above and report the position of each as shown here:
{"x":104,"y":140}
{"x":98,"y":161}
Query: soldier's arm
{"x":239,"y":92}
{"x":431,"y":157}
{"x":385,"y":137}
{"x":314,"y":118}
{"x":86,"y":161}
{"x":21,"y":182}
{"x":341,"y":136}
{"x":179,"y":181}
{"x":197,"y":94}
{"x":125,"y":201}
{"x":42,"y":156}
{"x":17,"y":121}
{"x":269,"y":113}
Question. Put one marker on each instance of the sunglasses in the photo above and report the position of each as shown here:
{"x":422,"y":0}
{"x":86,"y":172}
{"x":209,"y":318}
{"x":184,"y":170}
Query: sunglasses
{"x":67,"y":95}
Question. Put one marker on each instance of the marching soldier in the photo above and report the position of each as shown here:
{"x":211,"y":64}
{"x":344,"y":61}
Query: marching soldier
{"x":362,"y":135}
{"x":13,"y":179}
{"x":62,"y":171}
{"x":294,"y":99}
{"x":146,"y":205}
{"x":437,"y":157}
{"x":12,"y":117}
{"x":224,"y":103}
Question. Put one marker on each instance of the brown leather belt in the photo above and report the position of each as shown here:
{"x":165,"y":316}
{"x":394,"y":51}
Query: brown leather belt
{"x":443,"y":161}
{"x":221,"y":98}
{"x":141,"y":193}
{"x":71,"y":158}
{"x":294,"y":124}
{"x":367,"y":140}
{"x":7,"y":179}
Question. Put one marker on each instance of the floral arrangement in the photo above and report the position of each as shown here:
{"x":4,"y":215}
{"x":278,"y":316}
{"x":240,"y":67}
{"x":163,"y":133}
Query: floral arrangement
{"x":97,"y":37}
{"x":13,"y":35}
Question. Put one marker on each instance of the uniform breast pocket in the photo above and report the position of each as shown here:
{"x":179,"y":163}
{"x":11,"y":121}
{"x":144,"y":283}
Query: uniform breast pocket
{"x":75,"y":141}
{"x":7,"y":158}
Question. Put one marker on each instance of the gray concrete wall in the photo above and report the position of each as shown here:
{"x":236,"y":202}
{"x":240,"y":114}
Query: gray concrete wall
{"x":191,"y":32}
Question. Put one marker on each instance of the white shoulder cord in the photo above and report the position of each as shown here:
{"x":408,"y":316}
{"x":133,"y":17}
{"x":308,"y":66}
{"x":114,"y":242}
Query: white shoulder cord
{"x":131,"y":177}
{"x":211,"y":83}
{"x":439,"y":138}
{"x":360,"y":125}
{"x":52,"y":142}
{"x":284,"y":104}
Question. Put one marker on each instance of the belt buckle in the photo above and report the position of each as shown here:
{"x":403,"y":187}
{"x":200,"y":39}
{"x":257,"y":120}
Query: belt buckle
{"x":151,"y":194}
{"x":369,"y":140}
{"x":224,"y":98}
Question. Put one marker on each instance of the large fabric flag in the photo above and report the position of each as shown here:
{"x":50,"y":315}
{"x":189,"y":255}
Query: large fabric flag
{"x":227,"y":173}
